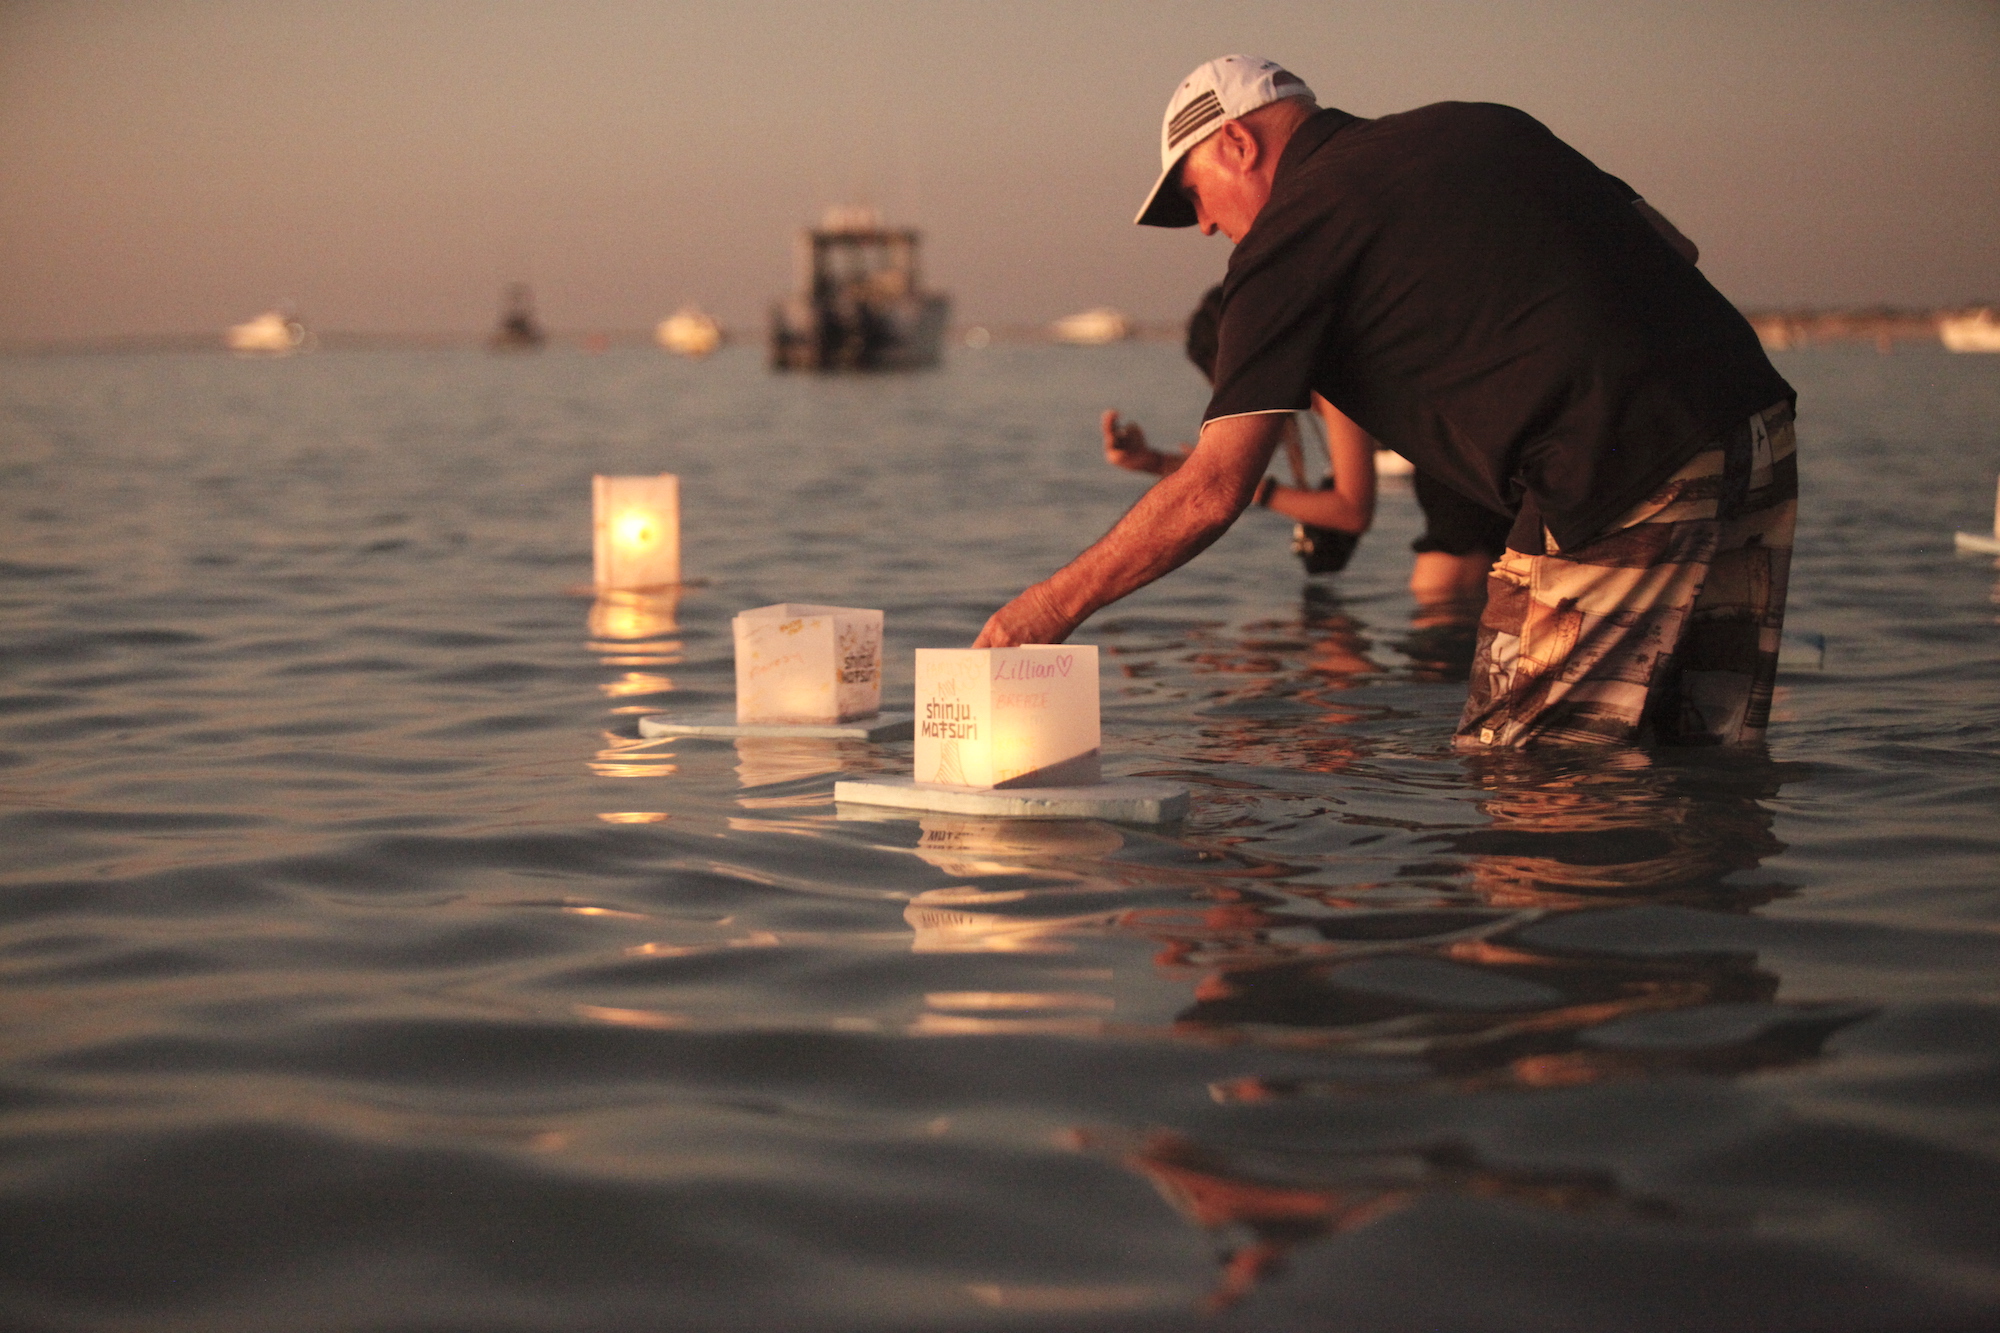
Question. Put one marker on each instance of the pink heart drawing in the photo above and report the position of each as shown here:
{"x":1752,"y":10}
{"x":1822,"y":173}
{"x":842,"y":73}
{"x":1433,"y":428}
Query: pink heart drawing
{"x":1062,"y":663}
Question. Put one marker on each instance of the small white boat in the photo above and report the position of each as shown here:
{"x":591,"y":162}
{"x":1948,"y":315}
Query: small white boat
{"x":1974,"y":331}
{"x":1092,"y":328}
{"x":273,"y":333}
{"x":689,"y":331}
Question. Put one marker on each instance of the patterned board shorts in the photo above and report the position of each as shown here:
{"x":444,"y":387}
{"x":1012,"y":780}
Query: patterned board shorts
{"x":1665,"y":629}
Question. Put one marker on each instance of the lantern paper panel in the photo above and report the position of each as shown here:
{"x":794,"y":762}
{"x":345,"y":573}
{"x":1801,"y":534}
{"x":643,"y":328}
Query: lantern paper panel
{"x":636,"y":526}
{"x":801,"y":663}
{"x":1007,"y":717}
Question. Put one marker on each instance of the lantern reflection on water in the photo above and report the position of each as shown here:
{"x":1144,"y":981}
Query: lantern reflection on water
{"x":1007,"y":717}
{"x":801,"y":663}
{"x":636,"y":525}
{"x":623,"y":618}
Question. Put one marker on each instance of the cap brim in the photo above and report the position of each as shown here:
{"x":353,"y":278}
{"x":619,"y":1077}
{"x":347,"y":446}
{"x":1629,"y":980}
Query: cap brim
{"x":1166,"y":206}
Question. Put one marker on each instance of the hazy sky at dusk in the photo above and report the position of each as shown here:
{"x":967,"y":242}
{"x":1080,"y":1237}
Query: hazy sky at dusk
{"x":386,"y":166}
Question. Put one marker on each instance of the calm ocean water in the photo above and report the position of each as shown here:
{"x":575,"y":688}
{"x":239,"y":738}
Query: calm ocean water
{"x":362,"y":969}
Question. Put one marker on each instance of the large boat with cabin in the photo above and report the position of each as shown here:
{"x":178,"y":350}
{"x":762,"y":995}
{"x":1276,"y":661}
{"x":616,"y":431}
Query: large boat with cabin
{"x":860,"y":302}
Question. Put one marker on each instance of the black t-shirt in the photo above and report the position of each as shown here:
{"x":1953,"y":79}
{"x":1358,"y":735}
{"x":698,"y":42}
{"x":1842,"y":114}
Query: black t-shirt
{"x":1485,"y":301}
{"x":1454,"y":524}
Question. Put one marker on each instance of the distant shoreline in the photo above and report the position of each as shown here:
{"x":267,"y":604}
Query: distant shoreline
{"x":1882,"y":325}
{"x":1778,"y":329}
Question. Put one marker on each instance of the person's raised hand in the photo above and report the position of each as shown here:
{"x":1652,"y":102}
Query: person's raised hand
{"x":1125,"y":445}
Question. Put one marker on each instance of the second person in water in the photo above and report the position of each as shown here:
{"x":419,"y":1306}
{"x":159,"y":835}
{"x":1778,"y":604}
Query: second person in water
{"x":1460,"y":539}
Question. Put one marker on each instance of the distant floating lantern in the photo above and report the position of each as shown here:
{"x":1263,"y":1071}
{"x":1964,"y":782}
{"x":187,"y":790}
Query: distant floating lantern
{"x":637,"y":528}
{"x":796,"y":662}
{"x":1007,"y":717}
{"x":801,"y":671}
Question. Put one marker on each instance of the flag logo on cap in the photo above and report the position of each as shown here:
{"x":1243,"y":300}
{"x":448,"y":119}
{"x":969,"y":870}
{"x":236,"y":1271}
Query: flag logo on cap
{"x":1206,"y":108}
{"x":1222,"y":89}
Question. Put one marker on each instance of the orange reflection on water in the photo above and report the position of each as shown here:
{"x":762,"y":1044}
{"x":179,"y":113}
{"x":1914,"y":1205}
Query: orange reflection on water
{"x":972,"y":847}
{"x":1262,"y":1208}
{"x":1460,"y":977}
{"x":626,"y":630}
{"x":767,"y":761}
{"x":631,"y":1018}
{"x":1000,"y":1000}
{"x":962,"y":1025}
{"x":626,"y":616}
{"x":606,"y":911}
{"x":633,"y":757}
{"x":1093,"y":1299}
{"x":941,"y":922}
{"x":635,"y":683}
{"x":1616,"y":828}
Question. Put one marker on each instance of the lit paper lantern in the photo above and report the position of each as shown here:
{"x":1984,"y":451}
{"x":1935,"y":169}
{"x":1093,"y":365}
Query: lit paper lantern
{"x":802,"y":663}
{"x":1007,"y":717}
{"x":637,"y":527}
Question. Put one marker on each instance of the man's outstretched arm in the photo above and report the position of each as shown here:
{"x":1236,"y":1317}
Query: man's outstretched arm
{"x":1172,"y":523}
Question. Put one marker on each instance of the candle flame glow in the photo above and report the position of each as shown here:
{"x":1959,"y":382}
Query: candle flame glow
{"x":636,"y":529}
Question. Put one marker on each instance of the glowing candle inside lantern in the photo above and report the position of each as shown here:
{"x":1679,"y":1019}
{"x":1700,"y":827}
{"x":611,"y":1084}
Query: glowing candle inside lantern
{"x":637,"y":525}
{"x":797,"y":662}
{"x":1007,"y":717}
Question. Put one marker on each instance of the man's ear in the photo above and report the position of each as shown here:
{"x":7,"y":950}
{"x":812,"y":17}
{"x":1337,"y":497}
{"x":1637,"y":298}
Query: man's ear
{"x":1239,"y":146}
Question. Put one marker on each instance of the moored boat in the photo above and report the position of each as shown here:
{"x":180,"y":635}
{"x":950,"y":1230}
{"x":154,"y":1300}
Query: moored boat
{"x":860,"y":303}
{"x":1972,"y":331}
{"x":1093,"y":327}
{"x":689,"y":331}
{"x":273,"y":333}
{"x":518,"y":330}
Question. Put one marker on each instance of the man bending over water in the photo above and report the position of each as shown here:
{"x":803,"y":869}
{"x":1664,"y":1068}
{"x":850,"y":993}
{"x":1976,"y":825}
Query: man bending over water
{"x":1478,"y":296}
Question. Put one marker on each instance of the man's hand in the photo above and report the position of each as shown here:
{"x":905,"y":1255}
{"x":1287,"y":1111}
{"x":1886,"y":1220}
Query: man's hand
{"x":1172,"y":523}
{"x":1033,"y":617}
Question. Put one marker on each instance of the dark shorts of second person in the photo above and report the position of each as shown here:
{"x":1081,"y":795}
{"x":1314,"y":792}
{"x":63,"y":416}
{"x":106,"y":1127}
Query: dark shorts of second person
{"x":1454,"y":524}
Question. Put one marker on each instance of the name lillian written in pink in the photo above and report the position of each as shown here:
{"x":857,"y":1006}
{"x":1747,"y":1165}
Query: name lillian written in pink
{"x":1015,"y":669}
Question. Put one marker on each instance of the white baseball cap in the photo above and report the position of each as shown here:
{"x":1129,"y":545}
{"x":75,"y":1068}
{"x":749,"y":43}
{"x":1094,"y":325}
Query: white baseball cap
{"x":1223,"y":89}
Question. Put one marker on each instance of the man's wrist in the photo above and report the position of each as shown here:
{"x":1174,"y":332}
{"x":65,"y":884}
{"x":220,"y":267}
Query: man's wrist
{"x":1261,"y":497}
{"x":1051,"y":607}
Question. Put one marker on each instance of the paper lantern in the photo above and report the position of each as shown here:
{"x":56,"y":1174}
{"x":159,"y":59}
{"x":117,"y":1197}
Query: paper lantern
{"x":1007,"y":717}
{"x":801,"y":663}
{"x":637,"y":527}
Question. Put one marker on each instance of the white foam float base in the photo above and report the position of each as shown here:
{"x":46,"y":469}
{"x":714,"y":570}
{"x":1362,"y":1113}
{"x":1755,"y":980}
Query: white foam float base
{"x":722,"y":722}
{"x":1128,"y":801}
{"x":1973,"y":541}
